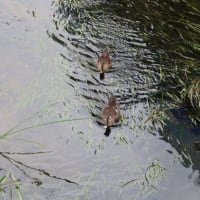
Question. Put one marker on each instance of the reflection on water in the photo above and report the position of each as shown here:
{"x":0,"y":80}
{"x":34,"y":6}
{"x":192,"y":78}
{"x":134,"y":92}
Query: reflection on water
{"x":60,"y":82}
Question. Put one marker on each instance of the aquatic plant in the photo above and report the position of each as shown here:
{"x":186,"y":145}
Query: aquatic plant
{"x":8,"y":182}
{"x":74,"y":15}
{"x":149,"y":182}
{"x":177,"y":41}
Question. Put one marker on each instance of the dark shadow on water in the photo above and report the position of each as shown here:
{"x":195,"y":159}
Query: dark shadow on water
{"x":107,"y":132}
{"x":99,"y":122}
{"x":197,"y":181}
{"x":183,"y":115}
{"x":184,"y":136}
{"x":101,"y":76}
{"x":108,"y":129}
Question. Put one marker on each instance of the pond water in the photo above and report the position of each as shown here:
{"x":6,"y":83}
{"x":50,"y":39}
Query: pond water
{"x":52,"y":98}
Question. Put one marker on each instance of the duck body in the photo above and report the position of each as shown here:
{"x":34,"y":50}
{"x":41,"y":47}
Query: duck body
{"x":103,"y":63}
{"x":110,"y":113}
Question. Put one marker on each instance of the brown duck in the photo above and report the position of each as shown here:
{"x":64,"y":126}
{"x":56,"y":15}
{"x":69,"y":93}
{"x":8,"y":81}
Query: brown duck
{"x":110,"y":113}
{"x":103,"y":63}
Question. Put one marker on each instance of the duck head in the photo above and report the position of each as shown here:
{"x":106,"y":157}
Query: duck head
{"x":105,"y":53}
{"x":112,"y":101}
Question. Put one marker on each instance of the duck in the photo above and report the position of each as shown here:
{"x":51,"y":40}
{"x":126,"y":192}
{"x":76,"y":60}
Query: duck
{"x":103,"y":63}
{"x":110,"y":114}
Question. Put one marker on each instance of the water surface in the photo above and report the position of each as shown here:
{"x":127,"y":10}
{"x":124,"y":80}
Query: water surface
{"x":48,"y":76}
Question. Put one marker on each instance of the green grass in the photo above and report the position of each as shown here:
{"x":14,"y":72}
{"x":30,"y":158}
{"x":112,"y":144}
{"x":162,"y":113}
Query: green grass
{"x":15,"y":131}
{"x":9,"y":182}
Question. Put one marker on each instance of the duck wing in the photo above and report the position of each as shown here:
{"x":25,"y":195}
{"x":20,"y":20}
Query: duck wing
{"x":105,"y":114}
{"x":110,"y":114}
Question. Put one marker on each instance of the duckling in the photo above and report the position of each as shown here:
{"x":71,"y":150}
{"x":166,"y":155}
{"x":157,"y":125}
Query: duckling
{"x":110,"y":113}
{"x":103,"y":63}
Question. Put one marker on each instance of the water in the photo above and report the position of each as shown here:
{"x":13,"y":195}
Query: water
{"x":48,"y":76}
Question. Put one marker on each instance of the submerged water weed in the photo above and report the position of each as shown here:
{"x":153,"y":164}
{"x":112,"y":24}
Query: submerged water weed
{"x":154,"y":173}
{"x":179,"y":73}
{"x":186,"y":93}
{"x":74,"y":14}
{"x":8,"y":182}
{"x":123,"y":119}
{"x":121,"y":138}
{"x":149,"y":182}
{"x":15,"y":131}
{"x":174,"y":37}
{"x":194,"y":93}
{"x":155,"y":118}
{"x":41,"y":118}
{"x":85,"y":191}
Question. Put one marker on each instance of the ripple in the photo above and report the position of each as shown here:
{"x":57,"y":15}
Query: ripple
{"x":134,"y":74}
